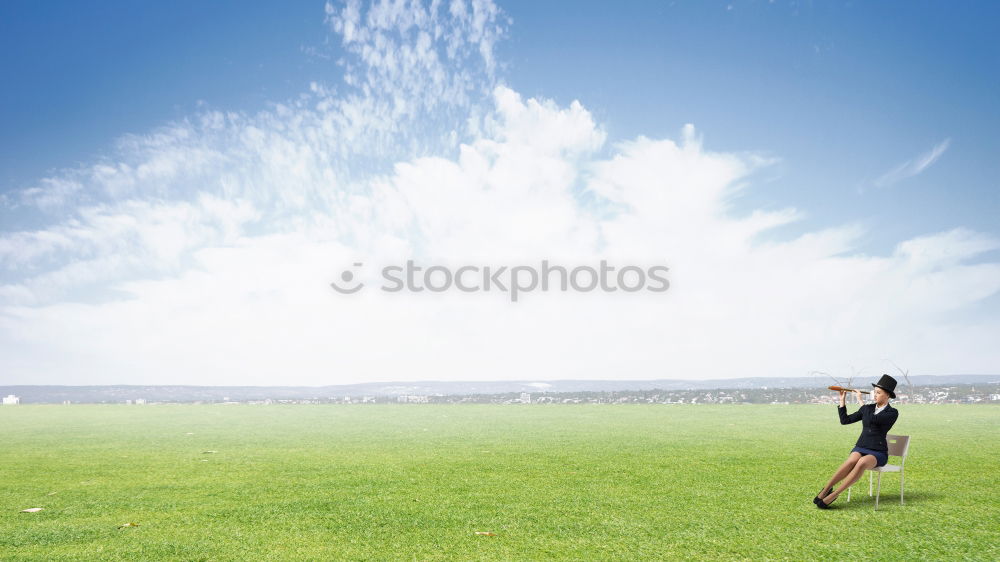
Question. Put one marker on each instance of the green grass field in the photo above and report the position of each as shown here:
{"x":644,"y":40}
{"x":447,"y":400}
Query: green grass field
{"x":418,"y":481}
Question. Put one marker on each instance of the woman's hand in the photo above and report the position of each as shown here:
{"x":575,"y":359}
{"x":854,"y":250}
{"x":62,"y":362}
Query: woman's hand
{"x":843,"y":398}
{"x":861,"y":400}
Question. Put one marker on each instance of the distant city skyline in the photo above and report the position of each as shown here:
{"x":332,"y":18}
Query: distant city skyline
{"x":970,"y":389}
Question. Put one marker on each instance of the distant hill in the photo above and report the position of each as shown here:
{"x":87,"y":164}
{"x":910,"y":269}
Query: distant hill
{"x":34,"y":394}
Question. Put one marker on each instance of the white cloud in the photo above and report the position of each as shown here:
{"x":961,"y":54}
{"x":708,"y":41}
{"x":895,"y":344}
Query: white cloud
{"x":913,"y":167}
{"x":52,"y":193}
{"x":201,"y":253}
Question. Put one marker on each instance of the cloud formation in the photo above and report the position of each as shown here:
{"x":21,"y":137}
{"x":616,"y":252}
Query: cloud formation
{"x":913,"y":167}
{"x":201,"y":253}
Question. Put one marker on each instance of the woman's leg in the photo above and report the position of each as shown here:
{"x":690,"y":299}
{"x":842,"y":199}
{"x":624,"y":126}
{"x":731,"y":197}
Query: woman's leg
{"x":863,"y":464}
{"x":842,"y":472}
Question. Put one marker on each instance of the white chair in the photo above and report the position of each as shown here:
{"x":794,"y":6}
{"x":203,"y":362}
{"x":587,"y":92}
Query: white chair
{"x":898,"y":447}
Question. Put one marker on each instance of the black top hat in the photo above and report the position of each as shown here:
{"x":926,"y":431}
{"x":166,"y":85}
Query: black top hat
{"x":887,"y":384}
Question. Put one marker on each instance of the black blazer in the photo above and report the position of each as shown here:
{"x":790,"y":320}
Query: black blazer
{"x":874,"y":427}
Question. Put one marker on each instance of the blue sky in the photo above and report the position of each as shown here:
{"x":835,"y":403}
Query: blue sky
{"x":841,"y":92}
{"x":839,"y":180}
{"x":81,"y":74}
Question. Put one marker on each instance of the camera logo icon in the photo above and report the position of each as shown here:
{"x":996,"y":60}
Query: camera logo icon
{"x":347,"y":277}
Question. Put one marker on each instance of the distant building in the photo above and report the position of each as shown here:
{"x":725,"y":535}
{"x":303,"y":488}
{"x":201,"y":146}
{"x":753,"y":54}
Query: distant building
{"x":11,"y":400}
{"x":140,"y":401}
{"x":525,"y":398}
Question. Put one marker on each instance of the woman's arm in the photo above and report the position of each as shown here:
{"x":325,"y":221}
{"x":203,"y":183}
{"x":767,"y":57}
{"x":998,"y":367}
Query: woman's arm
{"x":888,"y":419}
{"x":842,"y":410}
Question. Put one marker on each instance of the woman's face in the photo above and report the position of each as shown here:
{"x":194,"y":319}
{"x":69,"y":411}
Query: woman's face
{"x":881,"y":396}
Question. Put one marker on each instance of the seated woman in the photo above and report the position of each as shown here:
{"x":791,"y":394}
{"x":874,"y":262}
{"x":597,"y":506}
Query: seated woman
{"x":871,"y":450}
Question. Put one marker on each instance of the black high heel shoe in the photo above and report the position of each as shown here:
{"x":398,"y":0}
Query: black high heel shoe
{"x":817,"y":499}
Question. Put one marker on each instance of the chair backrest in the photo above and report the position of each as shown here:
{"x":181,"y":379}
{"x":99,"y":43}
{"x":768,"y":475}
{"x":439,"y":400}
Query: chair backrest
{"x":898,"y":445}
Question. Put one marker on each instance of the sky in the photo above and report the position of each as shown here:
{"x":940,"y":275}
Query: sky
{"x":181,"y":182}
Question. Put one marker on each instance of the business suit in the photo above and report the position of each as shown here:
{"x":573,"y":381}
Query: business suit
{"x":874,"y":427}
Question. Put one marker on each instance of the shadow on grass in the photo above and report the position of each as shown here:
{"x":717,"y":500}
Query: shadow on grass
{"x":887,"y":501}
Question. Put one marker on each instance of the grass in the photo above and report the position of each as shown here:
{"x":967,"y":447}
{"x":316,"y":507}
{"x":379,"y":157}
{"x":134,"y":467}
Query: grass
{"x":408,"y":482}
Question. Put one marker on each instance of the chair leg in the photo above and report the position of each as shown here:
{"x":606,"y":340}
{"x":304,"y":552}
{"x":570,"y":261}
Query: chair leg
{"x":901,"y":488}
{"x":849,"y":493}
{"x":869,"y":483}
{"x":878,"y":489}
